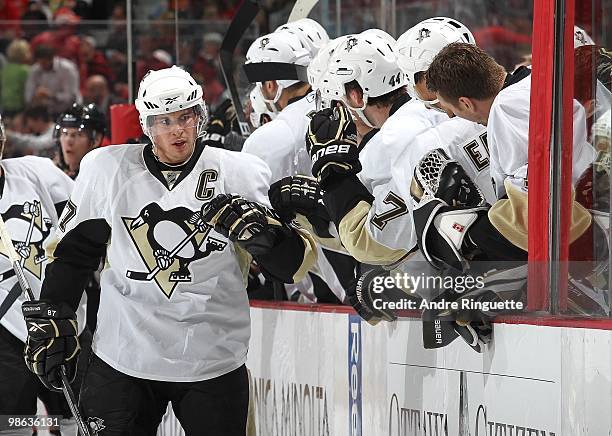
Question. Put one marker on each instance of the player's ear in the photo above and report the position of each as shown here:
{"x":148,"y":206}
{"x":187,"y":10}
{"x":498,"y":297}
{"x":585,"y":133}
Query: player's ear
{"x":355,"y":97}
{"x":269,"y":88}
{"x":466,"y":104}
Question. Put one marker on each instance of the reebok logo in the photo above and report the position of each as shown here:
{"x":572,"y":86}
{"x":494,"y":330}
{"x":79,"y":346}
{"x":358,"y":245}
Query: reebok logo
{"x":34,"y":327}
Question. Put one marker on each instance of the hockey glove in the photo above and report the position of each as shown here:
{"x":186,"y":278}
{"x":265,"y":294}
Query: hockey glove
{"x":371,"y":296}
{"x":300,"y":195}
{"x":332,"y":143}
{"x":447,"y":202}
{"x":253,"y":226}
{"x":52,"y":341}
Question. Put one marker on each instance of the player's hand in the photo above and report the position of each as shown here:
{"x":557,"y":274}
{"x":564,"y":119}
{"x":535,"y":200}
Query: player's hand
{"x":253,"y":226}
{"x":366,"y":292}
{"x":297,"y":194}
{"x":332,"y":143}
{"x":222,"y":119}
{"x":438,"y":176}
{"x":52,"y":341}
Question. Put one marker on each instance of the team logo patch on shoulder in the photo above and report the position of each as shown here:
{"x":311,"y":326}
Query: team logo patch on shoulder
{"x":168,"y":241}
{"x":28,"y":229}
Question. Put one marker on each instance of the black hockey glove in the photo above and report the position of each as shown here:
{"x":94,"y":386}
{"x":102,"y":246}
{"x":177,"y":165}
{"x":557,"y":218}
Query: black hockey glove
{"x":332,"y":143}
{"x":371,"y":296}
{"x":52,"y":341}
{"x":300,"y":195}
{"x":447,"y":203}
{"x":255,"y":227}
{"x":222,"y":119}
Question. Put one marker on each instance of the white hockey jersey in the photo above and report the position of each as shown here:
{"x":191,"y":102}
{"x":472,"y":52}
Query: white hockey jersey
{"x":33,"y":188}
{"x":463,"y":140}
{"x":185,"y":318}
{"x":508,"y":134}
{"x":281,"y":143}
{"x":382,"y":233}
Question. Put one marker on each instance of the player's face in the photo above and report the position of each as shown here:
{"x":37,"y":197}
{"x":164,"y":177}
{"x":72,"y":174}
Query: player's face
{"x":174,"y":135}
{"x":463,"y":108}
{"x":428,"y":98}
{"x":75,"y":144}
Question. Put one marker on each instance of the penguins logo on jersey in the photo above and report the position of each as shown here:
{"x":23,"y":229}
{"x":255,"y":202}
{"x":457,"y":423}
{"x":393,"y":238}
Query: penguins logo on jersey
{"x":168,"y":241}
{"x":263,"y":43}
{"x":423,"y":34}
{"x":352,"y":42}
{"x":28,"y":229}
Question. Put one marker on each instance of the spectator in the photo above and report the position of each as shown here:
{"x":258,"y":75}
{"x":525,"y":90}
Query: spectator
{"x":157,"y":60}
{"x":39,"y":12}
{"x":96,"y":91}
{"x":92,"y":61}
{"x":53,"y":81}
{"x":206,"y":68}
{"x":40,"y":137}
{"x":62,"y":38}
{"x":13,"y":77}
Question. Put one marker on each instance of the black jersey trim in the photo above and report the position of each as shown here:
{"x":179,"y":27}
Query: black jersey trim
{"x":156,"y":167}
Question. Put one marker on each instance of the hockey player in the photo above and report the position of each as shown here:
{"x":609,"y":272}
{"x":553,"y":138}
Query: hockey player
{"x":78,"y":131}
{"x":473,"y":86}
{"x":33,"y":193}
{"x":277,"y":64}
{"x":280,"y":143}
{"x":463,"y":140}
{"x":361,"y":202}
{"x":178,"y":224}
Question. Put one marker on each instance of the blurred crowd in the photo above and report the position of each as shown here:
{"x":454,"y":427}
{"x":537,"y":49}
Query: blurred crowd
{"x":54,"y":53}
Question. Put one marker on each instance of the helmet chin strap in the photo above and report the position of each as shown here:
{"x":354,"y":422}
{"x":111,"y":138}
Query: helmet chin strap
{"x":360,"y":111}
{"x":272,"y":103}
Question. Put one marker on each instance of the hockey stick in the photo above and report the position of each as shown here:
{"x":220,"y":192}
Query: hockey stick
{"x":237,"y":28}
{"x":149,"y":275}
{"x":14,"y":258}
{"x":301,"y":9}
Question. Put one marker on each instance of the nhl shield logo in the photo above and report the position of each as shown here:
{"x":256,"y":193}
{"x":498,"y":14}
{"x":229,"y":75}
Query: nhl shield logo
{"x":168,"y":241}
{"x":28,"y":229}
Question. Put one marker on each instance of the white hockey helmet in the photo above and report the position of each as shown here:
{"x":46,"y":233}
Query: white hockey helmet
{"x":581,"y":37}
{"x":312,"y":35}
{"x":318,"y":74}
{"x":166,"y":91}
{"x":371,"y":62}
{"x":282,"y":47}
{"x":379,"y":33}
{"x":259,"y":108}
{"x":417,"y":47}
